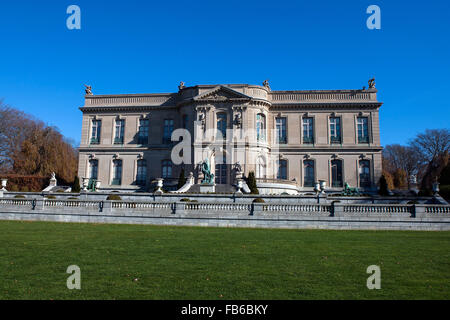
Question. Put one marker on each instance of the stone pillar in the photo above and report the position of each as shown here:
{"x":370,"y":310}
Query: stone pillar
{"x":337,"y":209}
{"x":257,"y":208}
{"x":40,"y":204}
{"x":419,"y":211}
{"x":179,"y":208}
{"x":107,"y":207}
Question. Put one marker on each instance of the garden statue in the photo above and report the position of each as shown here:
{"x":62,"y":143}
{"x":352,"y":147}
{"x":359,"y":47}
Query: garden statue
{"x":350,"y":191}
{"x":92,"y":186}
{"x":206,"y":170}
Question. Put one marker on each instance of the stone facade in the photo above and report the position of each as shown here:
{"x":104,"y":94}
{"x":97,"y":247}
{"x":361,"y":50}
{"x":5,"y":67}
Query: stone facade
{"x":290,"y":139}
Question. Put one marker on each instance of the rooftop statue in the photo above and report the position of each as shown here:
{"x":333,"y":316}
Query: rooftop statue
{"x":206,"y":170}
{"x":181,"y":86}
{"x":88,"y":90}
{"x":372,"y":83}
{"x":266,"y":84}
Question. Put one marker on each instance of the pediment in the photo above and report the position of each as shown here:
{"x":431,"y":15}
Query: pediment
{"x":221,"y":93}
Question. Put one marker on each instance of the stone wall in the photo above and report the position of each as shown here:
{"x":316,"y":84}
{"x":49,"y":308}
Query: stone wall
{"x":258,"y":215}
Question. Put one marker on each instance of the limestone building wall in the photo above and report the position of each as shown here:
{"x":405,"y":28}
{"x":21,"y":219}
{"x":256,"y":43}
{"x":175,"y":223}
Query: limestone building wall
{"x":199,"y":108}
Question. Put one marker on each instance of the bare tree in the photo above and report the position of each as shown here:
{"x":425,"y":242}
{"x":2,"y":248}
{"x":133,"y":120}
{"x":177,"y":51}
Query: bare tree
{"x":431,"y":144}
{"x":397,"y":157}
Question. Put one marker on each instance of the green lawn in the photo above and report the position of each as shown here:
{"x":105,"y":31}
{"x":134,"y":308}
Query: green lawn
{"x":218,"y":263}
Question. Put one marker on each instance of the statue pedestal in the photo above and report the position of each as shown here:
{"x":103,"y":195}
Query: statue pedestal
{"x":205,"y":188}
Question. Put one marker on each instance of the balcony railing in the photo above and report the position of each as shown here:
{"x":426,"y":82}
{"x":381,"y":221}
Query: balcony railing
{"x":282,"y":181}
{"x":308,"y":140}
{"x":118,"y":140}
{"x":363,"y":139}
{"x":335,"y":139}
{"x":116,"y":182}
{"x":282,"y":140}
{"x":95,"y":141}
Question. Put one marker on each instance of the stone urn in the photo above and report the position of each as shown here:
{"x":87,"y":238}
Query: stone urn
{"x":159,"y":184}
{"x":240,"y":185}
{"x":317,"y":187}
{"x":4,"y":181}
{"x":322,"y":184}
{"x":85,"y":183}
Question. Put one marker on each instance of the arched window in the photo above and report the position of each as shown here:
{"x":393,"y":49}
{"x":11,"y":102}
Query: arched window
{"x":260,"y":168}
{"x":364,"y":173}
{"x":93,"y":169}
{"x":221,"y":126}
{"x":309,"y":175}
{"x":117,"y":172}
{"x":167,"y":169}
{"x":336,"y":174}
{"x":260,"y":127}
{"x":141,"y":173}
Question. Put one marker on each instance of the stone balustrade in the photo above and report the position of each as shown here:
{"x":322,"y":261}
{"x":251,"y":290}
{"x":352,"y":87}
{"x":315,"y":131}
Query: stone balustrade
{"x":127,"y":100}
{"x":266,"y":215}
{"x":319,"y":96}
{"x":334,"y":209}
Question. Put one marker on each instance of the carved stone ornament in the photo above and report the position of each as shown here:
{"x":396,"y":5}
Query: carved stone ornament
{"x":266,"y":84}
{"x":88,"y":90}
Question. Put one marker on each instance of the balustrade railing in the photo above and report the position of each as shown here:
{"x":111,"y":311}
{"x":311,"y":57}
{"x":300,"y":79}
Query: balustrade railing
{"x":377,"y":208}
{"x":325,"y":209}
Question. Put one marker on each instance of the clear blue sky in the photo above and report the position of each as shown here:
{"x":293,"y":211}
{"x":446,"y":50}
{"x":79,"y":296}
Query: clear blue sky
{"x":150,"y":46}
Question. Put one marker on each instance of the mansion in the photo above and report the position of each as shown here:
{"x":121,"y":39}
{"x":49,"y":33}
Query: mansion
{"x":289,"y":139}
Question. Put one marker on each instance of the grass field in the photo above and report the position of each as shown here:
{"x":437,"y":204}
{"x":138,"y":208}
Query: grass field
{"x":153,"y":262}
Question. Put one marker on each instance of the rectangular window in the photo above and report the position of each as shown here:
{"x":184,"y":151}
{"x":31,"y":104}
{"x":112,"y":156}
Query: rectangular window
{"x":141,"y":174}
{"x":93,"y":169}
{"x":282,"y":170}
{"x":117,"y":172}
{"x":281,"y":130}
{"x":143,"y":131}
{"x":364,"y":173}
{"x":167,"y":169}
{"x":335,"y":130}
{"x":120,"y":129}
{"x":308,"y":167}
{"x":221,"y":170}
{"x":260,"y":127}
{"x":363,"y":129}
{"x":168,"y":129}
{"x":96,"y":130}
{"x":308,"y":130}
{"x":221,"y":126}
